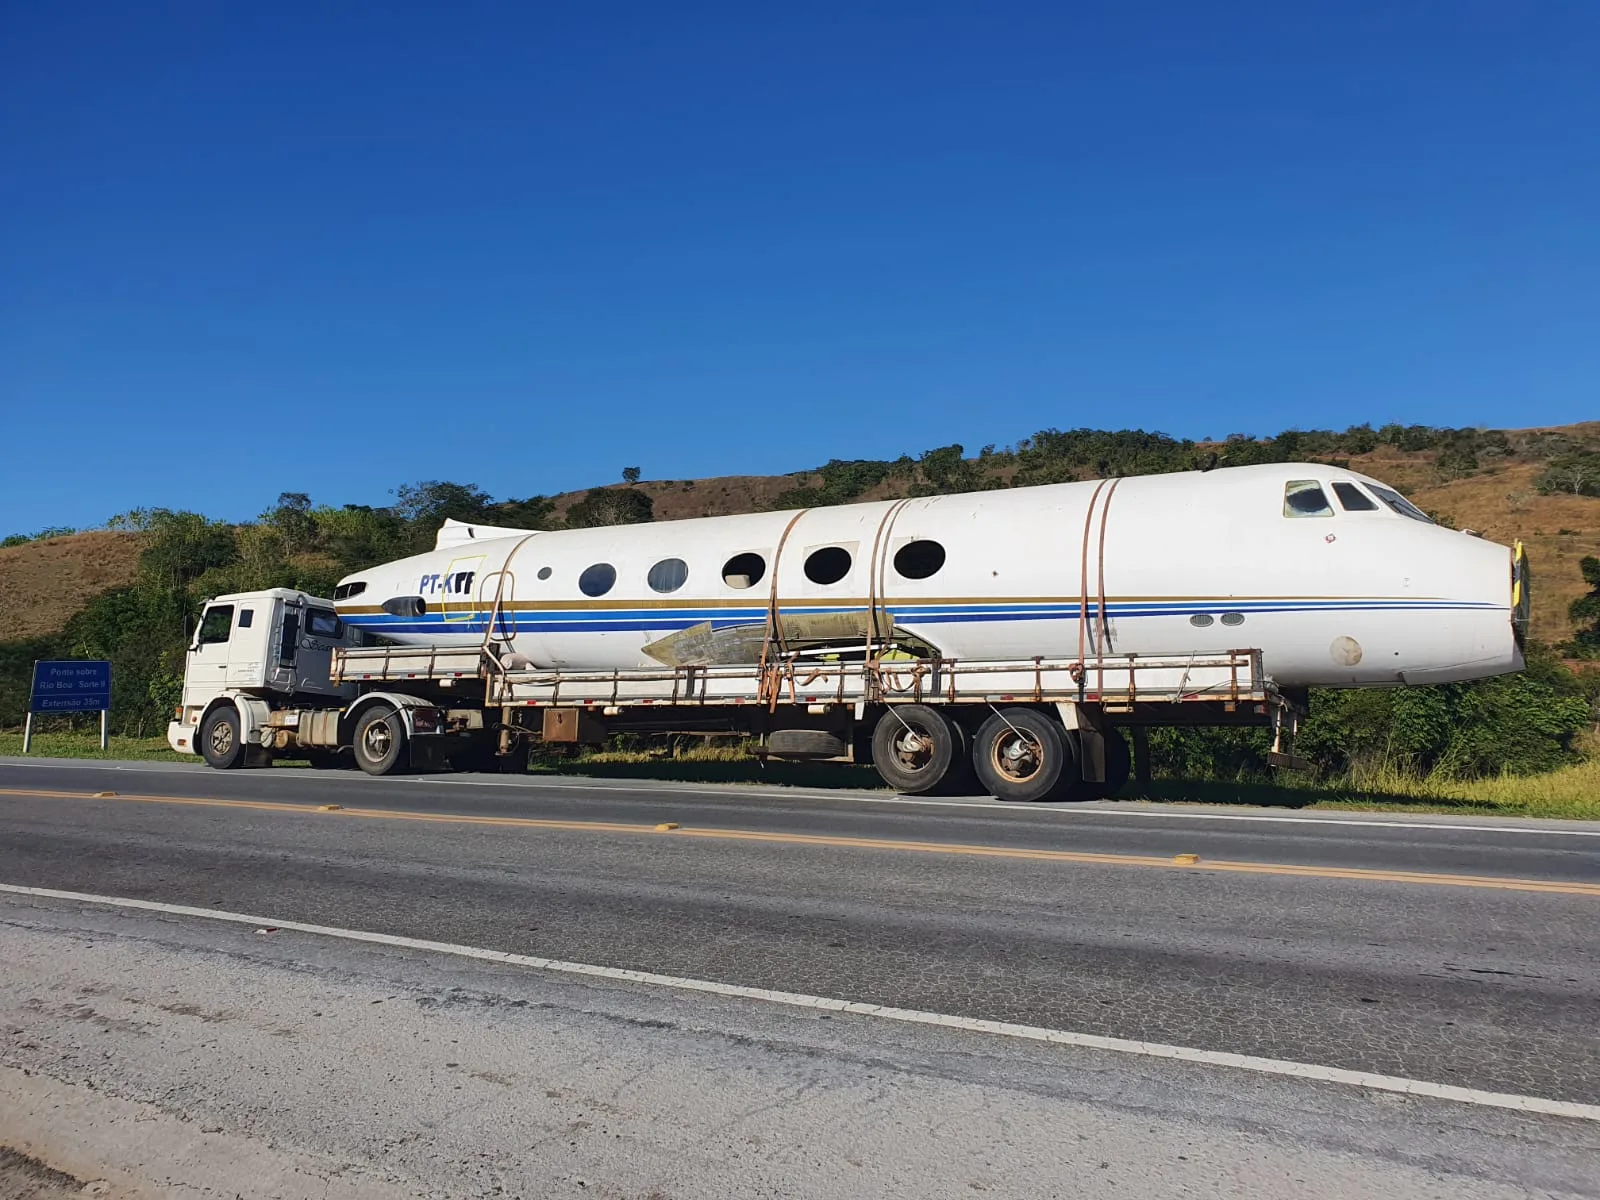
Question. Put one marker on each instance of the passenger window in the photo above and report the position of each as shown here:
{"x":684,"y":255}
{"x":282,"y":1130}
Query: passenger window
{"x":1353,"y":499}
{"x":215,"y":625}
{"x":828,"y":565}
{"x":1401,"y":505}
{"x":668,"y":575}
{"x":323,"y":624}
{"x":597,"y":580}
{"x":744,"y":570}
{"x":1305,"y":498}
{"x":919,"y":559}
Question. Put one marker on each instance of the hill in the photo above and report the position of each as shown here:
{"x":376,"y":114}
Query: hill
{"x":1498,"y":483}
{"x":43,"y":583}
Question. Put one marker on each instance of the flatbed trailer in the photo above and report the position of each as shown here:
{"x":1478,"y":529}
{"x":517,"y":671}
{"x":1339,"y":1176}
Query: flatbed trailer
{"x":1020,"y":729}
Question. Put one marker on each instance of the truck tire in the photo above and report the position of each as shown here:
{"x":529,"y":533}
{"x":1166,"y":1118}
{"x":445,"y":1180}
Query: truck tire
{"x":1023,"y":755}
{"x":380,"y":740}
{"x":917,"y":748}
{"x":220,"y":743}
{"x":805,"y":743}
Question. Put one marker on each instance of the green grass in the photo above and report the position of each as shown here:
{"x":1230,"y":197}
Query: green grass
{"x":1572,"y":792}
{"x":87,"y":745}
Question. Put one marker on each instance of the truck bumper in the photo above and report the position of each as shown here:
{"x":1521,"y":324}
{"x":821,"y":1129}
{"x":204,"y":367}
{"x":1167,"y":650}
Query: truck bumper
{"x":181,"y":737}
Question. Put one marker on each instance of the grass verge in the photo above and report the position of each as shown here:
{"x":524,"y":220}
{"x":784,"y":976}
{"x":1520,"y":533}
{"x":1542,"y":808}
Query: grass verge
{"x":87,"y":745}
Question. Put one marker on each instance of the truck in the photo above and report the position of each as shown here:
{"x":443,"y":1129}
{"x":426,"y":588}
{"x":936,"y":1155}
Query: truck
{"x":277,"y":673}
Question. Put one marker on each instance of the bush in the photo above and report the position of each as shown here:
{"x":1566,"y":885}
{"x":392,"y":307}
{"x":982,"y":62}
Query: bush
{"x":1513,"y":723}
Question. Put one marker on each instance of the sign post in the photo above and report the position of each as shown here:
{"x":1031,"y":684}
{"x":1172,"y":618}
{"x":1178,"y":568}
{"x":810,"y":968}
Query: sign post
{"x":69,"y":685}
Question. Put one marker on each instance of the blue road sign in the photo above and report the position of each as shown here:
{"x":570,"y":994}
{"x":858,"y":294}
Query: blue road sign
{"x":71,"y":685}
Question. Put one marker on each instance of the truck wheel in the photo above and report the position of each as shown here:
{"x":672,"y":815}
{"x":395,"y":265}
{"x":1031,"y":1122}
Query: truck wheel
{"x":380,"y":740}
{"x":220,"y":743}
{"x":1022,"y":755}
{"x":1119,"y":765}
{"x":915,"y":748}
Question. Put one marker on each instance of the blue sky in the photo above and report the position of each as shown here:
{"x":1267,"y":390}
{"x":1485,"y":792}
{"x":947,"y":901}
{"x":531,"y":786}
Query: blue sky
{"x":247,"y":249}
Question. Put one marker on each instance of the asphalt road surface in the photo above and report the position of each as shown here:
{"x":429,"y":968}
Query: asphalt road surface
{"x":1046,"y":999}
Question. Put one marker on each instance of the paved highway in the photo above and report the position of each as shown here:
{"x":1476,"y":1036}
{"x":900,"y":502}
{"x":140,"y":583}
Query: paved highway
{"x":1457,"y":959}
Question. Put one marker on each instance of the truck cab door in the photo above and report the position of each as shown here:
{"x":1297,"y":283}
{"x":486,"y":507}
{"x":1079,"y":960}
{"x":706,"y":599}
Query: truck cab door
{"x":206,"y":673}
{"x":320,"y":631}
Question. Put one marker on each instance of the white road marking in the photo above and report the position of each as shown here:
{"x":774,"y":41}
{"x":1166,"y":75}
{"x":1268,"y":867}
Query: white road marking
{"x":743,"y":791}
{"x":910,"y":1016}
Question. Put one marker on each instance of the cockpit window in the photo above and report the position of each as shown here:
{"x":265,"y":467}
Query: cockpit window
{"x":1305,"y":498}
{"x":1353,"y":499}
{"x":1400,"y":504}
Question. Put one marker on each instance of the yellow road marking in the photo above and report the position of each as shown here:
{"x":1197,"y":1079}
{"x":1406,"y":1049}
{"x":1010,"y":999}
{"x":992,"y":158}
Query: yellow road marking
{"x":1365,"y":874}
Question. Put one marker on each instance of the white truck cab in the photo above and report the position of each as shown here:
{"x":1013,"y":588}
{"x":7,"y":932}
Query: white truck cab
{"x":274,"y":646}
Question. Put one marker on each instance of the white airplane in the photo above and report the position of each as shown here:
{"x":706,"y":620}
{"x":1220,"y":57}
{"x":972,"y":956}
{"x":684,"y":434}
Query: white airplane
{"x":1336,"y":578}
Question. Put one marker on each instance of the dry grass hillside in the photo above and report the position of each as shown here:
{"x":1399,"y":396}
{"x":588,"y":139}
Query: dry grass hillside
{"x":42,"y":584}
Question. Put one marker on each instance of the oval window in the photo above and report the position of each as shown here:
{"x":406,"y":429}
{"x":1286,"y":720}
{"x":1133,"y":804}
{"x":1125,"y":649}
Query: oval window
{"x":919,"y":559}
{"x":668,"y":575}
{"x":1201,"y":620}
{"x":828,"y":565}
{"x":744,"y":570}
{"x":1233,"y":618}
{"x":597,"y":580}
{"x":544,"y":572}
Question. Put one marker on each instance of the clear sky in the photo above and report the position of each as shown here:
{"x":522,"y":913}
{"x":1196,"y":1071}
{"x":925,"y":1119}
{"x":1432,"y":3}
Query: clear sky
{"x":252,"y":248}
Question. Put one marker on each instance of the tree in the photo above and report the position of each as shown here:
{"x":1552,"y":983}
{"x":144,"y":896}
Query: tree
{"x":291,"y":516}
{"x":1578,"y":474}
{"x":433,"y":501}
{"x":1585,"y":610}
{"x":630,"y":475}
{"x":610,"y":506}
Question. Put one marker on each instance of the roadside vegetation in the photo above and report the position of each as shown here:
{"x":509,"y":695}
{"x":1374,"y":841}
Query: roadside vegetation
{"x":1500,"y":743}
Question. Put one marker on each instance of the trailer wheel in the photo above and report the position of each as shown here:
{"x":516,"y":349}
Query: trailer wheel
{"x":380,"y":741}
{"x":220,"y":743}
{"x":916,"y":748}
{"x":1022,"y":755}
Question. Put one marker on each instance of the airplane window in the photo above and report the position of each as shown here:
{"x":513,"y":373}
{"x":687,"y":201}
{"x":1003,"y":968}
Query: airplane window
{"x":544,"y":572}
{"x":345,"y":590}
{"x":828,"y":565}
{"x":597,"y":580}
{"x":216,"y":625}
{"x":668,"y":575}
{"x":1201,"y":620}
{"x":919,"y":559}
{"x":1353,"y":499}
{"x":1305,"y":498}
{"x":1401,"y":505}
{"x":744,"y":570}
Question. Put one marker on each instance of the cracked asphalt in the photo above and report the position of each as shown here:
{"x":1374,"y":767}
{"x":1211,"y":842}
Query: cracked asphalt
{"x":1477,"y":986}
